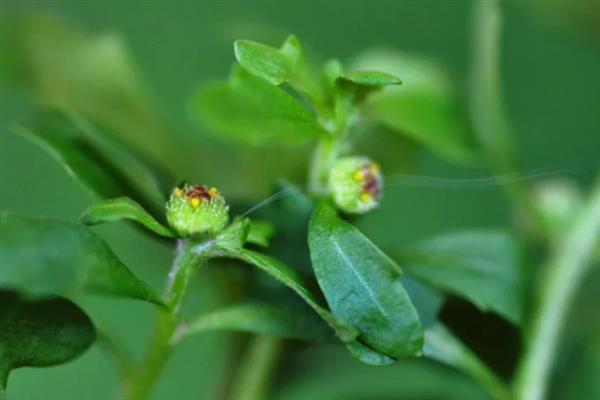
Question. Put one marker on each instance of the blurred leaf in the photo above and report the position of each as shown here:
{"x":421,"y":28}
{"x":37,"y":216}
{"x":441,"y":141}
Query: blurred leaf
{"x":40,"y":333}
{"x":367,"y":355}
{"x":423,"y":108}
{"x":291,"y":279}
{"x":261,"y":319}
{"x":101,"y":166}
{"x":481,"y":266}
{"x":123,"y":208}
{"x":442,"y":346}
{"x":249,"y":109}
{"x":260,"y":233}
{"x":40,"y":257}
{"x":427,"y":301}
{"x":370,"y":78}
{"x":362,"y":286}
{"x":92,"y":74}
{"x":278,"y":66}
{"x":271,"y":64}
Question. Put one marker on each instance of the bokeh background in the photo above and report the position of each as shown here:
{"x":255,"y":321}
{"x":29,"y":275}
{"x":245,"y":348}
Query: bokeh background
{"x":551,"y":85}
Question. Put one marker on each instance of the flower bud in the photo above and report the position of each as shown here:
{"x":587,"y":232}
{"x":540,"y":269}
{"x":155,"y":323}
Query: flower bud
{"x":195,"y":211}
{"x":557,"y":202}
{"x":355,"y":184}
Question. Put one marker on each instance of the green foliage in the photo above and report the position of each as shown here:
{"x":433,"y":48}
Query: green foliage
{"x":41,"y":257}
{"x":362,"y":285}
{"x":250,"y":109}
{"x":40,"y":333}
{"x":424,"y":108}
{"x":92,"y":157}
{"x":481,"y":266}
{"x":261,"y":318}
{"x":123,"y":208}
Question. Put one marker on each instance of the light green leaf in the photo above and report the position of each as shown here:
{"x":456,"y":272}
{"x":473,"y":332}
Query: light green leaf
{"x":99,"y":164}
{"x":423,"y":108}
{"x":250,"y":109}
{"x":40,"y":333}
{"x":40,"y":257}
{"x":362,"y":285}
{"x":260,"y":319}
{"x":260,"y":233}
{"x":481,"y":266}
{"x":291,"y":279}
{"x":442,"y":346}
{"x":123,"y":208}
{"x":271,"y":64}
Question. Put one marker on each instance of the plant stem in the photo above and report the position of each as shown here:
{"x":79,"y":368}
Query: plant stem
{"x":568,"y":264}
{"x":489,"y":120}
{"x":255,"y":372}
{"x":324,"y":156}
{"x":142,"y":379}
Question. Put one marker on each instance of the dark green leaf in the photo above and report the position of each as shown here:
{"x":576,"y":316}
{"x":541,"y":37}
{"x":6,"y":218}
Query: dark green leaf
{"x":250,"y":109}
{"x":481,"y":266}
{"x":367,"y":355}
{"x":123,"y":208}
{"x":442,"y":346}
{"x":370,"y":78}
{"x":362,"y":285}
{"x":40,"y":333}
{"x":261,"y":319}
{"x":291,"y":279}
{"x":427,"y":301}
{"x":92,"y":74}
{"x":40,"y":257}
{"x":423,"y":108}
{"x":92,"y":158}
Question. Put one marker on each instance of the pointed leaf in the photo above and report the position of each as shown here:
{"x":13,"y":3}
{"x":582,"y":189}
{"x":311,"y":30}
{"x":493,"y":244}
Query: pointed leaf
{"x":369,"y":78}
{"x":123,"y":208}
{"x":40,"y":333}
{"x":99,"y":164}
{"x":260,"y":233}
{"x":40,"y":257}
{"x":291,"y":279}
{"x":261,"y":319}
{"x":481,"y":266}
{"x":362,"y":286}
{"x":249,"y":109}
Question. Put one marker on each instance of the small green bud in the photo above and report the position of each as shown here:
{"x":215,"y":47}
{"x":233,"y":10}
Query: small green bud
{"x":194,"y":211}
{"x":557,"y":201}
{"x":355,"y":184}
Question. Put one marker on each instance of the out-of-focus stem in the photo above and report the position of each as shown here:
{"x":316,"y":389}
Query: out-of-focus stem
{"x":560,"y":279}
{"x":252,"y":381}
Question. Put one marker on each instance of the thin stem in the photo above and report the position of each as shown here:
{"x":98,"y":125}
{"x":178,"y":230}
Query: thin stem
{"x":140,"y":383}
{"x":255,"y":373}
{"x":487,"y":113}
{"x":324,"y":156}
{"x":562,"y":275}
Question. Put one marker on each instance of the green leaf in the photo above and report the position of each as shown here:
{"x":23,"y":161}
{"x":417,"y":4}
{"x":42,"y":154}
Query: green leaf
{"x":291,"y":279}
{"x":260,"y":319}
{"x":362,"y":285}
{"x":250,"y":109}
{"x":481,"y":266}
{"x":423,"y":108}
{"x":98,"y":163}
{"x":40,"y":333}
{"x":442,"y":346}
{"x":260,"y":233}
{"x":92,"y":74}
{"x":271,"y":64}
{"x":369,"y":78}
{"x":123,"y":208}
{"x":367,"y":355}
{"x":40,"y":257}
{"x":278,"y":66}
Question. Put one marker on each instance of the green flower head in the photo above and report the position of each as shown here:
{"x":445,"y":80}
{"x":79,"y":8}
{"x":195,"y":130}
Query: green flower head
{"x":356,"y":184}
{"x":196,"y":211}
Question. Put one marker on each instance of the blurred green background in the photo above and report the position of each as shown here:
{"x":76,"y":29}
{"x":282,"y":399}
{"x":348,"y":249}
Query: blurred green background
{"x":550,"y":64}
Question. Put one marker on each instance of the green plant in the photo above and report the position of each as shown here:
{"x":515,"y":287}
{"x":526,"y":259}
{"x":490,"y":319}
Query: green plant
{"x":364,"y":300}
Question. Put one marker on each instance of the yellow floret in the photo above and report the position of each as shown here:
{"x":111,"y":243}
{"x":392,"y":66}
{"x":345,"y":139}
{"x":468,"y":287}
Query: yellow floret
{"x":358,"y":176}
{"x":366,"y":196}
{"x":195,"y":202}
{"x":213,"y":192}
